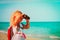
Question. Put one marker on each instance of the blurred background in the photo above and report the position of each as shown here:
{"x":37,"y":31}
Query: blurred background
{"x":38,"y":10}
{"x":44,"y":17}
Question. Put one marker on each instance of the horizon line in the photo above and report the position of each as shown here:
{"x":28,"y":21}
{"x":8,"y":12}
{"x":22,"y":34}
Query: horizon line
{"x":36,"y":21}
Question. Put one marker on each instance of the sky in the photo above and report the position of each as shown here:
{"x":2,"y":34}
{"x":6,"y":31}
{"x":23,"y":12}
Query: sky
{"x":38,"y":10}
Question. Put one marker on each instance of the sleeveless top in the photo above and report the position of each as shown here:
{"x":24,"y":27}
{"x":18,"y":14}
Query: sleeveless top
{"x":18,"y":35}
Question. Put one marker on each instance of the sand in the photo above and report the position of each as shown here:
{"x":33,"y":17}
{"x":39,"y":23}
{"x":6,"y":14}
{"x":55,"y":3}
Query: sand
{"x":3,"y":36}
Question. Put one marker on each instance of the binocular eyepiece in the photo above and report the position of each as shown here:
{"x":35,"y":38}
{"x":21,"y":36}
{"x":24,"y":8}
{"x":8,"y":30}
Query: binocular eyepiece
{"x":26,"y":16}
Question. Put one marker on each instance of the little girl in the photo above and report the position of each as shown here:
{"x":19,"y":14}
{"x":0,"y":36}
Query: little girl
{"x":15,"y":32}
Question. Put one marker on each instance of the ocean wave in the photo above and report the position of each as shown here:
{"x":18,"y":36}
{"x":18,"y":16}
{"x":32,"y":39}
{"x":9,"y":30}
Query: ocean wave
{"x":3,"y":31}
{"x":54,"y":37}
{"x":44,"y":36}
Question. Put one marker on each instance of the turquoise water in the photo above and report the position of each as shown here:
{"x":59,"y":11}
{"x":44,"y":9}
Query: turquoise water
{"x":38,"y":28}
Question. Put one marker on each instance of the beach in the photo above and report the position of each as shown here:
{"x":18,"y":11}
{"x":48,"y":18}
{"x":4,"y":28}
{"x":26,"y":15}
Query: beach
{"x":3,"y":36}
{"x":37,"y":31}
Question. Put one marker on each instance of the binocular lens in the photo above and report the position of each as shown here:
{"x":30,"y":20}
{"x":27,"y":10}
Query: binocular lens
{"x":26,"y":17}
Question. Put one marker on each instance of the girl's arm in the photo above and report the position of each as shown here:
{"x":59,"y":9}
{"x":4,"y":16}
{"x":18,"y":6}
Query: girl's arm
{"x":27,"y":24}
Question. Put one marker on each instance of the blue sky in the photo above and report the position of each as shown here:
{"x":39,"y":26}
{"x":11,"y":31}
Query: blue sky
{"x":38,"y":10}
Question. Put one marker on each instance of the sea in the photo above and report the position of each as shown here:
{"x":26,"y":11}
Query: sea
{"x":40,"y":30}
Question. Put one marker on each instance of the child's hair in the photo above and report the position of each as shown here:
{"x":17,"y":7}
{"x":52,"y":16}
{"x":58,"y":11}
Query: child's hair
{"x":18,"y":11}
